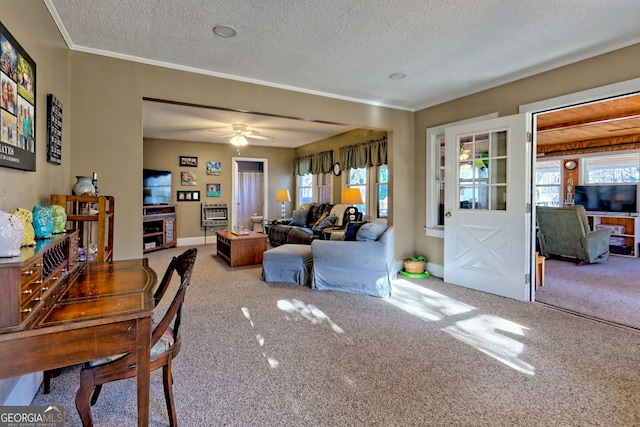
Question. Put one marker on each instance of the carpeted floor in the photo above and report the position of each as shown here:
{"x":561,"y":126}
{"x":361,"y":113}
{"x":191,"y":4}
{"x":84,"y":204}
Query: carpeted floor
{"x":608,"y":290}
{"x":434,"y":354}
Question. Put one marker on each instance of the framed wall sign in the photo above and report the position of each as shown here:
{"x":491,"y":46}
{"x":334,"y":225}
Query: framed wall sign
{"x":189,"y":161}
{"x":188,"y":196}
{"x":17,"y":105}
{"x":54,"y":130}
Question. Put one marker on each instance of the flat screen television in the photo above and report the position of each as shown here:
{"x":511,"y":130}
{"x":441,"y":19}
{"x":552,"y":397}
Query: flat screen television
{"x":608,"y":197}
{"x":156,"y":187}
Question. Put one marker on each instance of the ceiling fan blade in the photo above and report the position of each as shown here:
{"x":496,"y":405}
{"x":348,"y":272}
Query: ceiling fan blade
{"x":224,"y":133}
{"x":257,"y":136}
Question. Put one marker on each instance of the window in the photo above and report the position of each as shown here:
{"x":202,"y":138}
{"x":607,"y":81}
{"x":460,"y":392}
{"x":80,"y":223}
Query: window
{"x":548,"y":175}
{"x":382,"y":191}
{"x":314,"y":188}
{"x":482,"y":166}
{"x":618,"y":168}
{"x":357,"y":178}
{"x":435,"y":175}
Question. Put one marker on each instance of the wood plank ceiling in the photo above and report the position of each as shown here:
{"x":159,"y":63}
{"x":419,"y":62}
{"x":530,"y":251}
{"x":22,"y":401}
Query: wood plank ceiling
{"x":602,"y":126}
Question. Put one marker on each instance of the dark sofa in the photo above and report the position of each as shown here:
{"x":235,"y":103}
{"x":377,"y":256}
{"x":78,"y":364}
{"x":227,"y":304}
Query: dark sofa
{"x":295,"y":231}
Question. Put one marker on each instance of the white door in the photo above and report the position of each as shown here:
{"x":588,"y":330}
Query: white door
{"x":487,"y":232}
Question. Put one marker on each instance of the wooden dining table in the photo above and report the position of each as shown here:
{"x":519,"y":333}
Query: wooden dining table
{"x":106,"y":310}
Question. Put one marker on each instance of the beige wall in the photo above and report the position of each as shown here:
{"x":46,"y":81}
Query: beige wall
{"x":606,"y":69}
{"x":31,"y":25}
{"x":163,"y":154}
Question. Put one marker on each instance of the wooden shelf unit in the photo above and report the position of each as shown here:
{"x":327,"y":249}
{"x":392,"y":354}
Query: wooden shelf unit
{"x":78,"y":218}
{"x":631,"y":225}
{"x":159,"y":224}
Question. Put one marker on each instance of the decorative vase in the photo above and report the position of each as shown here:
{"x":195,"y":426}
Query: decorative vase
{"x":11,"y":231}
{"x":83,"y":186}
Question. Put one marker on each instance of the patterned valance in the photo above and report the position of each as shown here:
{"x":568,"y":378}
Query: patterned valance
{"x":370,"y":153}
{"x":316,"y":163}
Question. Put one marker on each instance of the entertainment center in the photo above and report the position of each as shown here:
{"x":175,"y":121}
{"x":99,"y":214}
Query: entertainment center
{"x":625,"y":236}
{"x":614,"y":206}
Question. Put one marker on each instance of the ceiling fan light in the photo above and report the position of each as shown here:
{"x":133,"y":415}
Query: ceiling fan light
{"x":239,"y":140}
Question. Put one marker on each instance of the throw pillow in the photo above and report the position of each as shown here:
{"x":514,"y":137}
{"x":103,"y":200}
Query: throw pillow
{"x":328,"y":221}
{"x":351,"y":230}
{"x":371,"y":231}
{"x":314,"y":213}
{"x":322,"y":217}
{"x":299,"y":218}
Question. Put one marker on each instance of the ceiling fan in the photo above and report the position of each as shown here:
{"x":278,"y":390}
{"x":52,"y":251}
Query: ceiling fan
{"x":240,"y":133}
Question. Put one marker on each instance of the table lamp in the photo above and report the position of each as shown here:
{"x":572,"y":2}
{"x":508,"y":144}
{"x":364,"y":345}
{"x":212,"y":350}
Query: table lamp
{"x":283,"y":196}
{"x":351,"y":196}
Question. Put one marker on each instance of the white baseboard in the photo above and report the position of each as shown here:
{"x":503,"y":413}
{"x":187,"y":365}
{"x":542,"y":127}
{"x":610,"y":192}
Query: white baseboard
{"x":195,"y":241}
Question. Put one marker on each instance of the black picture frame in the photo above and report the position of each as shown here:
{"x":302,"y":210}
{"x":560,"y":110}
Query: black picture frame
{"x":188,"y":196}
{"x":189,"y":161}
{"x":18,"y":110}
{"x":54,"y":130}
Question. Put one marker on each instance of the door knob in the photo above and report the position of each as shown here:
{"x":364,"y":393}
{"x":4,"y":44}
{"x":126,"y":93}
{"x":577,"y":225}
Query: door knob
{"x":448,"y":214}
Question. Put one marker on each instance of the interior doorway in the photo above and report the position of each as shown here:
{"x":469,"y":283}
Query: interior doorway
{"x":250,"y":183}
{"x":577,"y":113}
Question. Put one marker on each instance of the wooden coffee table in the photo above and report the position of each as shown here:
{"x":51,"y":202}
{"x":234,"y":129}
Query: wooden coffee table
{"x":243,"y":249}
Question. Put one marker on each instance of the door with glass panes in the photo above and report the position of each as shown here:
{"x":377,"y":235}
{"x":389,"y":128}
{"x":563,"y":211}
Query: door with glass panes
{"x":487,"y":206}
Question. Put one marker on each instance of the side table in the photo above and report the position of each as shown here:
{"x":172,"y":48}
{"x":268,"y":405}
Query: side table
{"x":241,"y":249}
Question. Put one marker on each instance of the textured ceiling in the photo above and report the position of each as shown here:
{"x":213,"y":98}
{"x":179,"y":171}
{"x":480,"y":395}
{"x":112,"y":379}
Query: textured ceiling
{"x":349,"y":48}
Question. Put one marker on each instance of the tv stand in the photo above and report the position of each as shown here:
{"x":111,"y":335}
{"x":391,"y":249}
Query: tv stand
{"x":159,"y":229}
{"x":626,"y":243}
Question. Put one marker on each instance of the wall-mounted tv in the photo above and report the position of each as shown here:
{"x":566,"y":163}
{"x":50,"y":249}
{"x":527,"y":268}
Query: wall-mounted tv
{"x":156,"y":187}
{"x":608,"y":197}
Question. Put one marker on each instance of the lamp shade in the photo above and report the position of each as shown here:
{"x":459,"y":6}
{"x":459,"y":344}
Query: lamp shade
{"x":352,"y":196}
{"x":283,"y":196}
{"x":239,"y":140}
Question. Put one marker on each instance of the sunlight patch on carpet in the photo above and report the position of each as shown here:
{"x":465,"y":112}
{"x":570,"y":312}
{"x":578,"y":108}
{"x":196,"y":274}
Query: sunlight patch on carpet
{"x":424,"y":303}
{"x":300,"y":310}
{"x":484,"y":332}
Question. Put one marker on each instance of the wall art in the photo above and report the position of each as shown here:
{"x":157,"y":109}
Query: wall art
{"x":188,"y":178}
{"x":188,"y":196}
{"x":213,"y":190}
{"x":189,"y":161}
{"x":17,"y":105}
{"x":213,"y":168}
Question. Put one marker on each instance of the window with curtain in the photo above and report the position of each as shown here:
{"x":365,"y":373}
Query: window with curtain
{"x":361,"y":162}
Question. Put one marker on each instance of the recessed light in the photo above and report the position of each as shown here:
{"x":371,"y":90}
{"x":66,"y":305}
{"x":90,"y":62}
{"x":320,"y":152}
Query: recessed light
{"x":397,"y":76}
{"x":225,"y":31}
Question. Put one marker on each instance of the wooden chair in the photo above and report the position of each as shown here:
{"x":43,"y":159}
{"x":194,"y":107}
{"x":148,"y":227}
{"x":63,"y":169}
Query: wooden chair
{"x":165,"y":346}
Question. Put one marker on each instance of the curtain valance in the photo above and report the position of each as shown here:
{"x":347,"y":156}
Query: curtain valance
{"x":316,"y":163}
{"x":370,"y":153}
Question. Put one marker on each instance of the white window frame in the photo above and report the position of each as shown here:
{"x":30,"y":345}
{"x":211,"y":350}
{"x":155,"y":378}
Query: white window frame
{"x":559,"y":185}
{"x":433,"y":173}
{"x":370,"y":192}
{"x":316,"y":187}
{"x":377,"y":190}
